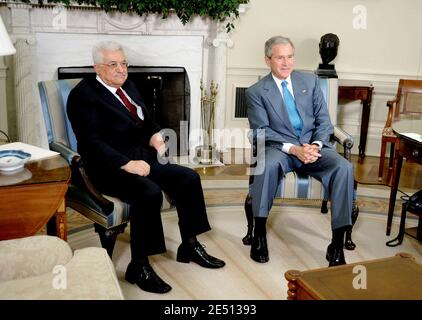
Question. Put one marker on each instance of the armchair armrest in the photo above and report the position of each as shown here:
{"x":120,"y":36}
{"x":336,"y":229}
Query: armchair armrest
{"x":78,"y":171}
{"x":345,"y":139}
{"x":64,"y":151}
{"x":390,"y":106}
{"x":80,"y":177}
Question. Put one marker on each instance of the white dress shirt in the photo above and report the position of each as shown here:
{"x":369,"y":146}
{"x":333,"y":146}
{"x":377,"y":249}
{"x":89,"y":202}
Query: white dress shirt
{"x":113,"y":91}
{"x":286,"y":146}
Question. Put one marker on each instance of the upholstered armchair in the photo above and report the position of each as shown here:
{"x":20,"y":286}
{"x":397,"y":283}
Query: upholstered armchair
{"x":299,"y":186}
{"x":44,"y":267}
{"x":408,"y":101}
{"x":109,"y":214}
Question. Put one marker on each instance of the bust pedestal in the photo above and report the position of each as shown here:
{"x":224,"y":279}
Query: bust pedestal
{"x":326,"y":70}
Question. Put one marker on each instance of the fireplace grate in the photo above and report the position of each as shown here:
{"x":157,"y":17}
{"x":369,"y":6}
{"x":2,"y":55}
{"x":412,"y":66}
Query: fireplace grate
{"x":165,"y":90}
{"x":240,"y":110}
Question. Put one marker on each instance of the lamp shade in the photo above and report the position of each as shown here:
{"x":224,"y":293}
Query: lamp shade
{"x":6,"y":46}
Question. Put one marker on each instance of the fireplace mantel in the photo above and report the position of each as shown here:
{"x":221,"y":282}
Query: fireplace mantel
{"x":54,"y":36}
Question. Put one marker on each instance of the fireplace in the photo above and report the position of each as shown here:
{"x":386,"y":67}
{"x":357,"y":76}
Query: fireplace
{"x":165,"y":90}
{"x":53,"y":36}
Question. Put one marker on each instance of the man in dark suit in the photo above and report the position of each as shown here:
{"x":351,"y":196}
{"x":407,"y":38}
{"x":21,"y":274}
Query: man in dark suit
{"x":120,"y":145}
{"x":290,"y":108}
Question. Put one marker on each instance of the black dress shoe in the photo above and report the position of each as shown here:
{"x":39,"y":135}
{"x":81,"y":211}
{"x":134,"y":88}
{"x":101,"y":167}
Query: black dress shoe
{"x":259,"y":249}
{"x":196,"y":253}
{"x":348,"y":242}
{"x":146,"y":278}
{"x":335,"y":256}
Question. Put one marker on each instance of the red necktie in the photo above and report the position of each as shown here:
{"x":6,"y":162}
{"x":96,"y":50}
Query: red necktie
{"x":128,"y":104}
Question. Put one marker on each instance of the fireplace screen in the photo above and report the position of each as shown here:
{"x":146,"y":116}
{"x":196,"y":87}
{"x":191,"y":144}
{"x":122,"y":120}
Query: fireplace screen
{"x":165,"y":90}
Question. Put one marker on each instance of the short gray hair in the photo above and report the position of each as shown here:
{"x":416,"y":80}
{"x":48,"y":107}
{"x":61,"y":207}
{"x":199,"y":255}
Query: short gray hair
{"x":97,"y":50}
{"x":271,"y":42}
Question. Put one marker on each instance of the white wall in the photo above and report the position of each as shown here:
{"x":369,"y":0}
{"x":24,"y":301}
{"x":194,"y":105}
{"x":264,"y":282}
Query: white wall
{"x":388,"y":49}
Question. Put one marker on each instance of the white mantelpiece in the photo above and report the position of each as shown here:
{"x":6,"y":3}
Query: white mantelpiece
{"x":53,"y":36}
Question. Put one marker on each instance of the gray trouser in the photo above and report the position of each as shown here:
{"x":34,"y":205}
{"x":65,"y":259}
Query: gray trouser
{"x":334,"y":172}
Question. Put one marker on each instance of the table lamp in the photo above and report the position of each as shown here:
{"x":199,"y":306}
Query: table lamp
{"x":6,"y":46}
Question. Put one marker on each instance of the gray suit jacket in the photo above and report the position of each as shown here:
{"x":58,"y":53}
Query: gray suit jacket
{"x":266,"y":111}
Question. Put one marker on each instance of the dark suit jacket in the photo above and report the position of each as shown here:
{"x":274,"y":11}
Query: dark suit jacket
{"x":108,"y":136}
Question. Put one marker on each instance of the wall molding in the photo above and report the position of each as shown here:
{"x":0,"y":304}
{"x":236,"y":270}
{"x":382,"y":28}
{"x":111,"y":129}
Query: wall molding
{"x":349,"y":115}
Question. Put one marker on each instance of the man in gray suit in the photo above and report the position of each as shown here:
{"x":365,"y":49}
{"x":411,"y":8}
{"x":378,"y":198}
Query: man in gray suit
{"x":289,"y":106}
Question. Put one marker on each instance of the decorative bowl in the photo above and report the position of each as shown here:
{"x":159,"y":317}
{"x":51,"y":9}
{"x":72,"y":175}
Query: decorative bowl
{"x":13,"y":160}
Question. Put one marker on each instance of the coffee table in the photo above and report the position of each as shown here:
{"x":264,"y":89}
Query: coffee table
{"x":394,"y":278}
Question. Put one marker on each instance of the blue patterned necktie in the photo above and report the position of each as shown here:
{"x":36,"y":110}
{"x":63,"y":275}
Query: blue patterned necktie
{"x":290,"y":104}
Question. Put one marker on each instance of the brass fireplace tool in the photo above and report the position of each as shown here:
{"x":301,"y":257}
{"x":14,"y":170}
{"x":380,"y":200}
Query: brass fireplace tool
{"x":206,"y":153}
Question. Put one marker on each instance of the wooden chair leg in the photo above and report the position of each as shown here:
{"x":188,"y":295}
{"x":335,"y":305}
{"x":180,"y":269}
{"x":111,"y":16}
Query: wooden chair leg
{"x":247,"y":240}
{"x":391,"y":160}
{"x":382,"y":159}
{"x":108,"y":237}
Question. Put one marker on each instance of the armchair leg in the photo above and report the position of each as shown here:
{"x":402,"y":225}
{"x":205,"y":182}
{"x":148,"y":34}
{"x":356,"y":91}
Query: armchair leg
{"x":324,"y":207}
{"x":247,"y":240}
{"x":108,"y":236}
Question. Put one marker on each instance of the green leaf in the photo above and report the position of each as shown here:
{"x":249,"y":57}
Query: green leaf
{"x":219,"y":10}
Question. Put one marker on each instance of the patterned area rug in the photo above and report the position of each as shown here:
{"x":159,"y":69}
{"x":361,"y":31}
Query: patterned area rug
{"x":233,"y":192}
{"x":298,"y":235}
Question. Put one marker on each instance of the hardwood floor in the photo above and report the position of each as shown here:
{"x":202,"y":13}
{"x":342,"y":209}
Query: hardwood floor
{"x":367,"y":173}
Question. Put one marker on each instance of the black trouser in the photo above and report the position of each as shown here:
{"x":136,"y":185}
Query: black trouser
{"x":144,"y":194}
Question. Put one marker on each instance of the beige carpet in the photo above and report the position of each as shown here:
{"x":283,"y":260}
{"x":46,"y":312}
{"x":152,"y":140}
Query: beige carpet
{"x":297,"y":237}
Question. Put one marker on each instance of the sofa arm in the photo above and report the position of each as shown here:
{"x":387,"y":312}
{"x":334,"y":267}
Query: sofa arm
{"x":89,"y":275}
{"x":32,"y":256}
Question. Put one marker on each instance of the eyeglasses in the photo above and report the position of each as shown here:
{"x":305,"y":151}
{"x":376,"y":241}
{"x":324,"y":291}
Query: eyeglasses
{"x":114,"y":64}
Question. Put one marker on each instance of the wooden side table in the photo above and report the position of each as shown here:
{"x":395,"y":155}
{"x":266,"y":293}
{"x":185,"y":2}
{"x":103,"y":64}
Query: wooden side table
{"x":33,"y":197}
{"x":394,"y":278}
{"x":408,"y":148}
{"x":363,"y":93}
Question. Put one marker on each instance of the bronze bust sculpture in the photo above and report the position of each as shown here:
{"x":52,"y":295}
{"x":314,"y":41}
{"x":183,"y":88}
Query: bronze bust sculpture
{"x":328,"y":46}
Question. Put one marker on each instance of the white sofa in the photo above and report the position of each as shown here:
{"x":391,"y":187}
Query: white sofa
{"x":44,"y":267}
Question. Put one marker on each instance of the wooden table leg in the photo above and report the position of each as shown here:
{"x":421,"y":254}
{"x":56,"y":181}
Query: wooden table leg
{"x":57,"y":225}
{"x":292,"y":276}
{"x":366,"y":110}
{"x":398,"y":160}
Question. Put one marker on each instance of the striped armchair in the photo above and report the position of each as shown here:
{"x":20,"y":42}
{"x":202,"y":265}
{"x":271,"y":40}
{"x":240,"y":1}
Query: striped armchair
{"x":295,"y":185}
